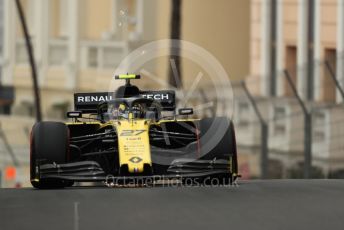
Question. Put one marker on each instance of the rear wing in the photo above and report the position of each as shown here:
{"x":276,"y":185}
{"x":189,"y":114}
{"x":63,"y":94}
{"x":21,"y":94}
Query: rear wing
{"x":88,"y":102}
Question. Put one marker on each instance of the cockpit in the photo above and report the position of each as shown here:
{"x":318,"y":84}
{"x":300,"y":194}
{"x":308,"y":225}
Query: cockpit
{"x":128,"y":108}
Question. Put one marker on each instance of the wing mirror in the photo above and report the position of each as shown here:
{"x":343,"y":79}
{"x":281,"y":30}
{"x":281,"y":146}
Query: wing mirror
{"x":185,"y":111}
{"x":74,"y":114}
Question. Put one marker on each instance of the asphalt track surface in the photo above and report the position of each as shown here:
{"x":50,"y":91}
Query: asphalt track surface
{"x":272,"y":204}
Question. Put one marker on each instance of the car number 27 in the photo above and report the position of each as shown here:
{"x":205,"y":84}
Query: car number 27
{"x":132,"y":132}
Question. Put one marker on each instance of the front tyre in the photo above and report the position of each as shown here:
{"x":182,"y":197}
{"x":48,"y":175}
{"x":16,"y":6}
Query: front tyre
{"x":49,"y":143}
{"x":226,"y":148}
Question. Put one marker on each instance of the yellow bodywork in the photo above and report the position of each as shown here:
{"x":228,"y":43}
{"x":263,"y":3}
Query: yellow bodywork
{"x":133,"y":144}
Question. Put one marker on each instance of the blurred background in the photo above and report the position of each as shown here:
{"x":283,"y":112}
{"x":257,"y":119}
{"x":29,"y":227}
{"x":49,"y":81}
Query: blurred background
{"x":284,"y":59}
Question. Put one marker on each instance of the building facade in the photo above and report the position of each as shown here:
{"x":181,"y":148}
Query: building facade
{"x":78,"y":44}
{"x":305,"y":38}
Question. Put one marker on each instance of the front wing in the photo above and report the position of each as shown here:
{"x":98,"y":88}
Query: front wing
{"x":179,"y":169}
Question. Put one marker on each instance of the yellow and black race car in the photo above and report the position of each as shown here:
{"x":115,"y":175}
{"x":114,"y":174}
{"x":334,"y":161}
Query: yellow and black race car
{"x":132,"y":136}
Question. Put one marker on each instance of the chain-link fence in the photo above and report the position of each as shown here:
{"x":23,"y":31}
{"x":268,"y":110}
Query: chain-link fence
{"x":304,"y":119}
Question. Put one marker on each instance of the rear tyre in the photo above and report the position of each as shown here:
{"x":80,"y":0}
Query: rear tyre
{"x":49,"y":144}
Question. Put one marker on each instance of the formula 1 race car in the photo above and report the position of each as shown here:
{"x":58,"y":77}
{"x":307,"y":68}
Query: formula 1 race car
{"x":132,"y":136}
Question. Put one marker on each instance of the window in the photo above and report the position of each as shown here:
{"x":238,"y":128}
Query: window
{"x":280,"y":126}
{"x":5,"y":109}
{"x":319,"y":125}
{"x":92,"y":57}
{"x":58,"y":18}
{"x":6,"y":99}
{"x":63,"y":21}
{"x":21,"y":53}
{"x":273,"y":50}
{"x":328,"y":88}
{"x":112,"y":56}
{"x":103,"y":55}
{"x":243,"y":114}
{"x":291,"y":64}
{"x":58,"y":51}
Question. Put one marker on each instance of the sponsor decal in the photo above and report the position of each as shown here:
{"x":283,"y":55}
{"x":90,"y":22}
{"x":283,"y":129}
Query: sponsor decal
{"x":135,"y":160}
{"x":90,"y":98}
{"x":158,"y":96}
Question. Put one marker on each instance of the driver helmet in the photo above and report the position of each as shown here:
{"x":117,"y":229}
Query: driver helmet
{"x":121,"y":111}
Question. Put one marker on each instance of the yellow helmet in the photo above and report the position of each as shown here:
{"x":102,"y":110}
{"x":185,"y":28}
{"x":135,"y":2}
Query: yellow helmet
{"x":122,"y":107}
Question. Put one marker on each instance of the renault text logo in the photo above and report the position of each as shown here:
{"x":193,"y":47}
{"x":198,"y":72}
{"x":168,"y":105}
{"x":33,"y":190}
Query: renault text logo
{"x":91,"y":98}
{"x":158,"y":96}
